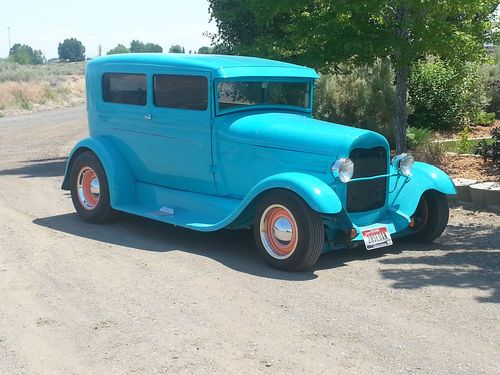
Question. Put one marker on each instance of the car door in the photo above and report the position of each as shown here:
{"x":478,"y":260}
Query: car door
{"x":180,"y":124}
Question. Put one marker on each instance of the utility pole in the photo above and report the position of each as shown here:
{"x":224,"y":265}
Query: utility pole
{"x":8,"y":35}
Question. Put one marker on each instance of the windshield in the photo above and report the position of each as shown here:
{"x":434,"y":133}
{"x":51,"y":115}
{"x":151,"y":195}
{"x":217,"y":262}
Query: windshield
{"x":234,"y":94}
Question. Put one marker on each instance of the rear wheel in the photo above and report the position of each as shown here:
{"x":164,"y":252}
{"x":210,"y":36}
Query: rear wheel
{"x":288,"y":233}
{"x":89,"y":189}
{"x":430,"y":217}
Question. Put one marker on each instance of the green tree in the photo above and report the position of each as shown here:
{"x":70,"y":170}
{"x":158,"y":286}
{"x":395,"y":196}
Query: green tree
{"x":71,"y":49}
{"x":24,"y":54}
{"x":205,"y":50}
{"x":120,"y":48}
{"x":325,"y":33}
{"x":137,"y":46}
{"x":176,"y":48}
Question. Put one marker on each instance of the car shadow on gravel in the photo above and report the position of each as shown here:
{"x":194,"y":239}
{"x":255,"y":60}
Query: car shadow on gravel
{"x":465,"y":257}
{"x":459,"y":259}
{"x":232,"y":248}
{"x":53,"y":167}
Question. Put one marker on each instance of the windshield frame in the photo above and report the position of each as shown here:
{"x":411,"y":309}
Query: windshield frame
{"x":253,"y":107}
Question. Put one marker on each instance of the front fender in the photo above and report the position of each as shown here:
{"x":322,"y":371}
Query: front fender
{"x":405,"y":193}
{"x":120,"y":181}
{"x":316,"y":193}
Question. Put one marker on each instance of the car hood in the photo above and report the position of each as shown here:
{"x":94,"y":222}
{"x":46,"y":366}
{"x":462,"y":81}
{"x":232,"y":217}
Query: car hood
{"x":298,"y":133}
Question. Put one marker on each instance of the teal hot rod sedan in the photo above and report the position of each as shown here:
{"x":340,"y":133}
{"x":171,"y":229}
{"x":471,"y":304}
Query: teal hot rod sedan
{"x":212,"y":142}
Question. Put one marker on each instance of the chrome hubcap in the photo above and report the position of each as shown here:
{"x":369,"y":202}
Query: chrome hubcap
{"x":94,"y":186}
{"x":282,"y":230}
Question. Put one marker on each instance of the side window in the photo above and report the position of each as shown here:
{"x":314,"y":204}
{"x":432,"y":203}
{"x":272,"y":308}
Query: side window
{"x":124,"y":88}
{"x":184,"y":92}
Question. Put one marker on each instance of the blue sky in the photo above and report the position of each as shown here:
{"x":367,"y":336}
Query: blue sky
{"x":43,"y":24}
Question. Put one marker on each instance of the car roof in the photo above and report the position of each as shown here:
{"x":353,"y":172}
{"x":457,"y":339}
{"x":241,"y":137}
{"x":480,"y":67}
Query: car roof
{"x":221,"y":66}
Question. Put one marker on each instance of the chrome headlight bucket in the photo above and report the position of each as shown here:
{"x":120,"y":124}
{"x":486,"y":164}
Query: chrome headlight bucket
{"x":403,"y":163}
{"x":343,"y":169}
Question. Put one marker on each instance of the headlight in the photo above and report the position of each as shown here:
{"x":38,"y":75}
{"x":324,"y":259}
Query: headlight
{"x":343,"y":169}
{"x":403,"y":163}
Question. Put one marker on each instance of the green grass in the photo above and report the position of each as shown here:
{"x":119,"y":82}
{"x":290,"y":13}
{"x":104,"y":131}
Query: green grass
{"x":468,"y":147}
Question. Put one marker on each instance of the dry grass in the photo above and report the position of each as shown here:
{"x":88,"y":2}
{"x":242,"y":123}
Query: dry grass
{"x":39,"y":87}
{"x":36,"y":73}
{"x":476,"y":131}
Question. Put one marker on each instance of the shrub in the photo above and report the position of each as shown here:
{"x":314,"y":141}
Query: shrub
{"x":444,"y":96}
{"x":494,"y":90}
{"x":485,"y":118}
{"x":491,"y":74}
{"x":23,"y":101}
{"x":421,"y":143}
{"x":362,"y":97}
{"x":48,"y":72}
{"x":28,"y":87}
{"x":416,"y":137}
{"x":463,"y":141}
{"x":430,"y":152}
{"x":490,"y":151}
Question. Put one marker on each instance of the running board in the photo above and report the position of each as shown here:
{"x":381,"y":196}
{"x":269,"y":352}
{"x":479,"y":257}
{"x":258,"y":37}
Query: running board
{"x":202,"y":212}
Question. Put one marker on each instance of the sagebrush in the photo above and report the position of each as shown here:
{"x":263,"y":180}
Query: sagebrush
{"x":361,"y":97}
{"x":27,"y":87}
{"x":10,"y":71}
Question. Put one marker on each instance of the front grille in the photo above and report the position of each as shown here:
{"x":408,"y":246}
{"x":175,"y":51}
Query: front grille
{"x":370,"y":194}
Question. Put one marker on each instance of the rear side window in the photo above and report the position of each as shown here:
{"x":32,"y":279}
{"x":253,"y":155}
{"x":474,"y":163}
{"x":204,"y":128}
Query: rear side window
{"x":184,"y":92}
{"x":125,"y":88}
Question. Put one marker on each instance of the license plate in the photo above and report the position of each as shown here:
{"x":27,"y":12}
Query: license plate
{"x":376,"y":237}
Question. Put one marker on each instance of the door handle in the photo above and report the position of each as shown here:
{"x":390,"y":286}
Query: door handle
{"x":148,"y":117}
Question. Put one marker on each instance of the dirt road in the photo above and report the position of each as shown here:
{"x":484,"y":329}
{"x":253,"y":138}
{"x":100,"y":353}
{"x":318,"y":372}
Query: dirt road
{"x":139,"y":297}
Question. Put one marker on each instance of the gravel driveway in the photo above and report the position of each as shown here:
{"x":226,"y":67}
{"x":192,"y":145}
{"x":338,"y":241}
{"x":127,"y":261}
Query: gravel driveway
{"x":136,"y":296}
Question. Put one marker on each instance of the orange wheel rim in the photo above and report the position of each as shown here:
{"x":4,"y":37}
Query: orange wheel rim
{"x":279,"y":232}
{"x":88,"y":188}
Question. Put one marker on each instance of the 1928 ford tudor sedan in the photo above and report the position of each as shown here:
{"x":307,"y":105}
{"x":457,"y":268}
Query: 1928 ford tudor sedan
{"x":212,"y":142}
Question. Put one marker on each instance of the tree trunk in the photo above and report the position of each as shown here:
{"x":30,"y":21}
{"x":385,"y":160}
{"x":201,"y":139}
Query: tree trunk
{"x":400,"y":62}
{"x":401,"y":114}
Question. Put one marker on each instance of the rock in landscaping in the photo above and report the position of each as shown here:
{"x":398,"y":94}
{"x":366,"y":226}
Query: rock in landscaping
{"x":486,"y":192}
{"x":462,"y":185}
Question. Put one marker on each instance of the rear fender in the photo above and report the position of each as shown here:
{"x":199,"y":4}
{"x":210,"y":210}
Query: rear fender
{"x":120,"y":181}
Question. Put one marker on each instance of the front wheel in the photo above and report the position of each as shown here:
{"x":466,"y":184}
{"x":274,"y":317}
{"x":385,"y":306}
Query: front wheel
{"x":430,"y":217}
{"x":288,"y":233}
